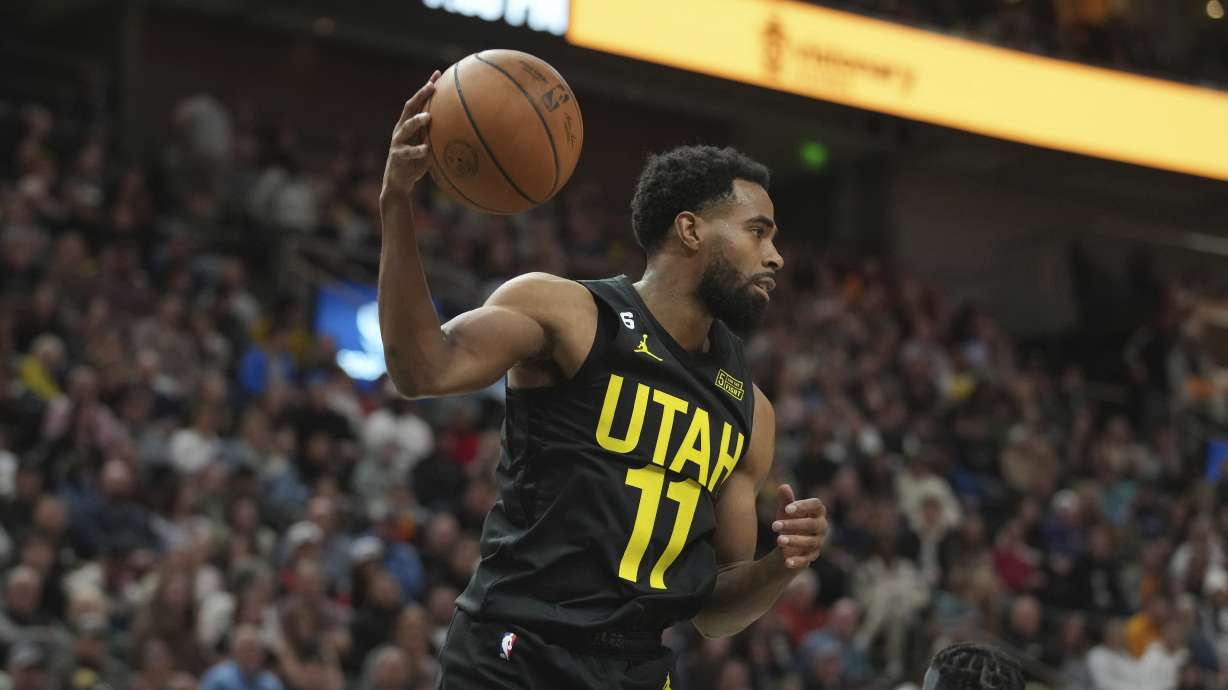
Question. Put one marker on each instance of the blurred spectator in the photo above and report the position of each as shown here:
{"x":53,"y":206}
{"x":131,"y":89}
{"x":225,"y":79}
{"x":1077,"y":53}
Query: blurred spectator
{"x":38,"y":370}
{"x":93,"y":666}
{"x":266,"y":363}
{"x":22,"y":620}
{"x":1147,"y":626}
{"x":157,"y":670}
{"x":245,"y":669}
{"x":308,"y":619}
{"x":171,"y":615}
{"x":28,"y":668}
{"x":893,"y":590}
{"x":387,"y":669}
{"x":1110,"y":663}
{"x":111,"y":515}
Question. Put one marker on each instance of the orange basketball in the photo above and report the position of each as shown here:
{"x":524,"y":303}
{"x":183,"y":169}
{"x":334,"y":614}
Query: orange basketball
{"x":505,"y":131}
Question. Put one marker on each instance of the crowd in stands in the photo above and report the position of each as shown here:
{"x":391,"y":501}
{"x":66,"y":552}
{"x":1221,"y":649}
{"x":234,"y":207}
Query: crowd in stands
{"x":194,"y":495}
{"x":1165,"y":38}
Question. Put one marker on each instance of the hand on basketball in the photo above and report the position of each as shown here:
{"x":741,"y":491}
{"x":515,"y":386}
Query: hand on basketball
{"x":801,"y":528}
{"x":408,"y":154}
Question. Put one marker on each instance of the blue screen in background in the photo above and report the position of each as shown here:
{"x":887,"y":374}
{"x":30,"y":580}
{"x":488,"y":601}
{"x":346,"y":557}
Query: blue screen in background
{"x":1217,"y":454}
{"x":348,"y":313}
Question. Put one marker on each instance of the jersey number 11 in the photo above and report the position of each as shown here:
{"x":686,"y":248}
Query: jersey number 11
{"x":650,"y":480}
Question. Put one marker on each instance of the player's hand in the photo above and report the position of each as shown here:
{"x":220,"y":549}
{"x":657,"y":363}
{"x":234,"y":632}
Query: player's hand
{"x":801,"y":528}
{"x":409,"y":152}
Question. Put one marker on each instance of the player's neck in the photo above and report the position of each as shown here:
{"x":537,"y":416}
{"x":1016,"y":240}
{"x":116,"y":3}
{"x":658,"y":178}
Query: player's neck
{"x":671,"y":299}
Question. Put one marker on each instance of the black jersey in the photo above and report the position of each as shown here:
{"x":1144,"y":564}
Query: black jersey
{"x":608,"y":481}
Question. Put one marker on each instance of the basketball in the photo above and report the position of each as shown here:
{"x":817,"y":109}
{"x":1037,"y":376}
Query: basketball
{"x":505,"y":131}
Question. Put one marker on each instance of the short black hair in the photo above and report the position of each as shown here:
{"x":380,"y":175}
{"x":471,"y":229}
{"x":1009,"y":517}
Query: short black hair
{"x":687,"y":178}
{"x":976,"y":667}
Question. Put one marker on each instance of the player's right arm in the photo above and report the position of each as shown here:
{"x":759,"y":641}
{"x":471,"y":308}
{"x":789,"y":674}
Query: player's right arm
{"x":473,"y":350}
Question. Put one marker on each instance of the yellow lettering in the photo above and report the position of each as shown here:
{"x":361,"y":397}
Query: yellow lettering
{"x":686,"y":493}
{"x":629,"y":441}
{"x":700,"y":454}
{"x":670,"y":405}
{"x":725,"y":461}
{"x":649,"y":480}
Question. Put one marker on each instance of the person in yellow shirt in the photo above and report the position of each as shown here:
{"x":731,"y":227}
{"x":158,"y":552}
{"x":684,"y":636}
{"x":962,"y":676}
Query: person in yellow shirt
{"x":1147,"y":625}
{"x":36,"y":371}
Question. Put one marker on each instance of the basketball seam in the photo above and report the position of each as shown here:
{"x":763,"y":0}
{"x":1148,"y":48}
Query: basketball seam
{"x":465,"y":106}
{"x":532,"y":104}
{"x":446,"y":178}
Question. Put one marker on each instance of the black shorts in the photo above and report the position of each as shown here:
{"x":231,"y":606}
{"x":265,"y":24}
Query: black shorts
{"x":482,"y":655}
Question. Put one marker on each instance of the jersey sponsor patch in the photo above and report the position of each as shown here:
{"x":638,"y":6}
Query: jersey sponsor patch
{"x":730,"y":385}
{"x":505,"y":647}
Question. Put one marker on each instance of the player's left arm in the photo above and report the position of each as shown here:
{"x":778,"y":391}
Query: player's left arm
{"x":746,"y":588}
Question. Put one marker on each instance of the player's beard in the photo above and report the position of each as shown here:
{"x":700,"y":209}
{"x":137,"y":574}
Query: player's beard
{"x":730,"y":297}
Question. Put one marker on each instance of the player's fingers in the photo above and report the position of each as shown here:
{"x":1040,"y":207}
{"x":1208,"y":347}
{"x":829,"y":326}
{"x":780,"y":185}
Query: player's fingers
{"x":806,"y":525}
{"x":406,"y":132}
{"x":809,"y":506}
{"x":800,"y":561}
{"x":410,"y":151}
{"x":785,"y":493}
{"x":415,"y":102}
{"x":435,"y":76}
{"x":799,"y":543}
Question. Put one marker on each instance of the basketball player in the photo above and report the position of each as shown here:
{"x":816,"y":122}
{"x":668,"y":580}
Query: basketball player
{"x":972,"y":667}
{"x":634,"y":443}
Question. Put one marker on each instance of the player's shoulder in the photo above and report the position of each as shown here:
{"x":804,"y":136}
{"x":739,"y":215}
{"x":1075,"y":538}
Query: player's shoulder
{"x":536,"y":286}
{"x":544,"y":295}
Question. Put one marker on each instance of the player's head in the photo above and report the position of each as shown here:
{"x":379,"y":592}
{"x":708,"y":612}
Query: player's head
{"x":709,"y":207}
{"x":972,"y":667}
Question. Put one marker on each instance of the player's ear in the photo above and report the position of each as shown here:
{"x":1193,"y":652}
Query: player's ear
{"x":686,"y":227}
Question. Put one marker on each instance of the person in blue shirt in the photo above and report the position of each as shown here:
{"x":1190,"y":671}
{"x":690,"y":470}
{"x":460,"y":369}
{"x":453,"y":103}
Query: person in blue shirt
{"x":245,"y":668}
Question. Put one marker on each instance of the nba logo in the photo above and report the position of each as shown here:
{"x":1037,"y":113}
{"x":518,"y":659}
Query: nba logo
{"x":505,"y":647}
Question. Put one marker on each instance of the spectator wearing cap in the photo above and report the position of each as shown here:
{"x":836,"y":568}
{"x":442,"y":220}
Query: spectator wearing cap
{"x":245,"y":669}
{"x":28,"y":668}
{"x":302,"y":542}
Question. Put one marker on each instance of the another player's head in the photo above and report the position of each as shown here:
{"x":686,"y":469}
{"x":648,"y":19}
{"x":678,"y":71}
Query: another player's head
{"x":972,"y":667}
{"x":707,"y":209}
